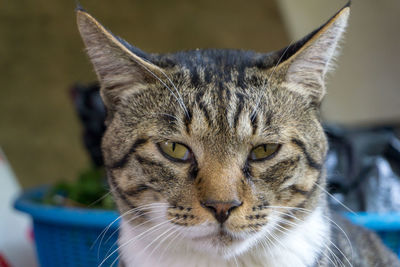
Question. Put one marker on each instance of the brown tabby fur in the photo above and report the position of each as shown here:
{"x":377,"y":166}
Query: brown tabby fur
{"x":221,"y":104}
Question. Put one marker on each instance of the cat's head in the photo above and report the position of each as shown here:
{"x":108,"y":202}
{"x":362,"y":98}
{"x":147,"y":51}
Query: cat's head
{"x":223,"y":146}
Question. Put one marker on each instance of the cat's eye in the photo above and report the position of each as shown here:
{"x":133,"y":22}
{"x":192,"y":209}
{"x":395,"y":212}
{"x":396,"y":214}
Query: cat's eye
{"x":263,"y":152}
{"x":175,"y":151}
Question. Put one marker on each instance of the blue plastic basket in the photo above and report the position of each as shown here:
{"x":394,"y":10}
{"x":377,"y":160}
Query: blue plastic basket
{"x":387,"y":226}
{"x":69,"y":236}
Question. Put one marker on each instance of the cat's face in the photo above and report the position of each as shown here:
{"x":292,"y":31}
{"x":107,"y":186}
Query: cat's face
{"x":224,"y":147}
{"x":219,"y":155}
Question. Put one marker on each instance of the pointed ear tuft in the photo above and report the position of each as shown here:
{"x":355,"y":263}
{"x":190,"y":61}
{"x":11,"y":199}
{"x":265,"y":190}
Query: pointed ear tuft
{"x":117,"y":66}
{"x":306,"y":62}
{"x":79,"y":6}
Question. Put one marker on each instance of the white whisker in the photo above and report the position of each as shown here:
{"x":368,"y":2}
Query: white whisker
{"x":131,"y":229}
{"x":103,"y":233}
{"x":326,"y":217}
{"x":166,"y":114}
{"x":151,"y":229}
{"x":144,"y":249}
{"x":99,"y":199}
{"x":176,"y":90}
{"x":287,"y":232}
{"x":162,"y":241}
{"x":332,"y":196}
{"x":119,"y":217}
{"x":179,"y":99}
{"x":134,"y":218}
{"x":158,"y":237}
{"x":180,"y":234}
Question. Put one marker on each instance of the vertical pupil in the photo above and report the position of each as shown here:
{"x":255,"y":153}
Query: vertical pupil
{"x":173,"y":146}
{"x":265,"y":148}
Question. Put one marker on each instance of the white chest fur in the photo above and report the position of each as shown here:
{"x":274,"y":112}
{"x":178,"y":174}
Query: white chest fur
{"x":300,"y":247}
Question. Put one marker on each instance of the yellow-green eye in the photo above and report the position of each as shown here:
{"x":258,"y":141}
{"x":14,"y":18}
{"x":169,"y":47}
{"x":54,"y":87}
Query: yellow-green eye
{"x":264,"y":151}
{"x":175,"y":151}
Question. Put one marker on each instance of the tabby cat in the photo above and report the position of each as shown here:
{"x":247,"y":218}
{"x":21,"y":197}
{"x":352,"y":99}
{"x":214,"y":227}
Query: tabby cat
{"x":215,"y":157}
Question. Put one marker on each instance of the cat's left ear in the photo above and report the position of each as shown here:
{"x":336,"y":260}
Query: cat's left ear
{"x":305,"y":63}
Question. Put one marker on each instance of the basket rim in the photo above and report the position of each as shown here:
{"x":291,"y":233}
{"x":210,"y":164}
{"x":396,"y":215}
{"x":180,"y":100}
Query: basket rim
{"x":376,"y":221}
{"x":71,"y":216}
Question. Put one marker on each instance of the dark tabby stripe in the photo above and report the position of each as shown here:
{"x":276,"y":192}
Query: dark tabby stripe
{"x":208,"y":76}
{"x":193,"y":171}
{"x":170,"y":120}
{"x":247,"y":171}
{"x":254,"y":123}
{"x":122,"y":162}
{"x":308,"y":196}
{"x":139,"y":189}
{"x":288,"y":177}
{"x":136,"y":190}
{"x":316,"y":183}
{"x":164,"y":172}
{"x":240,"y":77}
{"x":297,"y":190}
{"x":195,"y":78}
{"x":115,"y":85}
{"x":148,"y":162}
{"x":268,"y":119}
{"x":188,"y":120}
{"x":206,"y":114}
{"x":199,"y":96}
{"x":274,"y":173}
{"x":238,"y":110}
{"x":228,"y":95}
{"x":202,"y":106}
{"x":220,"y":87}
{"x":310,"y":161}
{"x":311,"y":192}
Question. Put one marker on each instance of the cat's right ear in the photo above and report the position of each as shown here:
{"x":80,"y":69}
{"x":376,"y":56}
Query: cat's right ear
{"x":117,"y":66}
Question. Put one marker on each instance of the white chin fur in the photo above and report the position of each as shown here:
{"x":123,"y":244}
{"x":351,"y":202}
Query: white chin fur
{"x":300,"y":247}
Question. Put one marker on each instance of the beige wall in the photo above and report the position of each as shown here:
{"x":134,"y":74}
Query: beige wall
{"x":365,"y":88}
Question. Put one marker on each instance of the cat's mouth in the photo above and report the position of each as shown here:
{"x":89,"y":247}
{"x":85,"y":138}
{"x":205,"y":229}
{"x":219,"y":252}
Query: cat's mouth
{"x":222,"y":236}
{"x":220,"y":242}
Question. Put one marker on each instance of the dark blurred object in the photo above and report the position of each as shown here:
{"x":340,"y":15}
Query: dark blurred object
{"x":363,"y":166}
{"x":92,"y":114}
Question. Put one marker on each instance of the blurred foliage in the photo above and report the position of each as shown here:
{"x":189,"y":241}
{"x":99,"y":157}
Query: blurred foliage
{"x":88,"y":191}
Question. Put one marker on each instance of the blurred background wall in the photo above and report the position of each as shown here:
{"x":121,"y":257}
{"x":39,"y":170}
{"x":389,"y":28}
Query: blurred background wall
{"x":41,"y":57}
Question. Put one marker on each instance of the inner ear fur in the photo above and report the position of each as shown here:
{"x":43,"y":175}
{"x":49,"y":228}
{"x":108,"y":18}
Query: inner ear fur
{"x":304,"y":64}
{"x":117,"y":65}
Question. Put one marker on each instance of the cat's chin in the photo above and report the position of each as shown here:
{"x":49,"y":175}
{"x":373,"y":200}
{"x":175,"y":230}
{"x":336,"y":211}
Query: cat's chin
{"x":221,"y":243}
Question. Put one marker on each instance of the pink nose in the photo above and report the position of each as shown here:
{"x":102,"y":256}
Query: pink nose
{"x":221,"y":209}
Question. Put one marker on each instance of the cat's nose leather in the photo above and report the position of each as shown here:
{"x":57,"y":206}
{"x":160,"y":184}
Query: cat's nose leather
{"x":221,"y":209}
